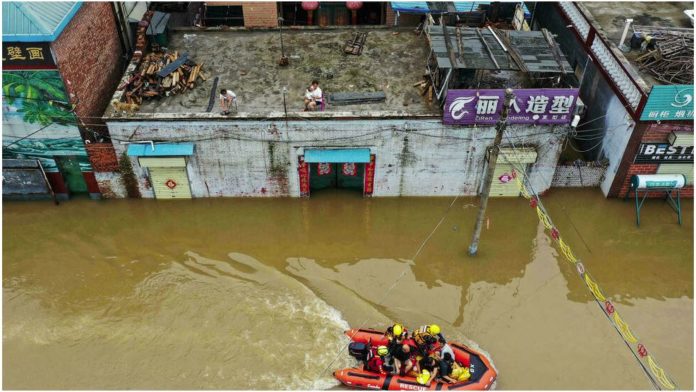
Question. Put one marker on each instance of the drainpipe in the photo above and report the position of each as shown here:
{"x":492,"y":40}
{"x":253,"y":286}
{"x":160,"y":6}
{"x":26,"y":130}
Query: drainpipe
{"x":623,"y":47}
{"x":152,"y":143}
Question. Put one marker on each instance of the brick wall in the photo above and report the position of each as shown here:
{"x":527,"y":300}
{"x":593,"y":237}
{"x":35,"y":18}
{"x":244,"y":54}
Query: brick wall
{"x":390,"y":15}
{"x":88,"y":53}
{"x":102,"y":156}
{"x":261,"y":14}
{"x":655,"y":133}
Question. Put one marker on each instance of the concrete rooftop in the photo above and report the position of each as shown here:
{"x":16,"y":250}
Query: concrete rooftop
{"x":246,"y":63}
{"x":611,"y":17}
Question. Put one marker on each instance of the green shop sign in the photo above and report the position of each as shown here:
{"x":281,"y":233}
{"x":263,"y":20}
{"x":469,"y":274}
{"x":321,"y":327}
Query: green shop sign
{"x":674,"y":102}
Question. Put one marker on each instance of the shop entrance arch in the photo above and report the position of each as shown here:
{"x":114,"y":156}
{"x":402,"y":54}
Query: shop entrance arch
{"x":348,"y":168}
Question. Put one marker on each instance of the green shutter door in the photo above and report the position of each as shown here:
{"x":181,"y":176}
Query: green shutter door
{"x":170,"y":182}
{"x":503,"y":185}
{"x":70,"y":169}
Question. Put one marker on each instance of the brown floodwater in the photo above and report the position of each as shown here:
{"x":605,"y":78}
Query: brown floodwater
{"x":255,"y":293}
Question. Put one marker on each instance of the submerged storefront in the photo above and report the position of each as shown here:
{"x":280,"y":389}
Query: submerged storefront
{"x":349,"y":168}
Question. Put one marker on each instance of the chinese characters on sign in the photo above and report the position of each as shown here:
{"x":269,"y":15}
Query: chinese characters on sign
{"x":369,"y":177}
{"x":303,"y":171}
{"x":674,"y":102}
{"x":23,"y":54}
{"x":531,"y":106}
{"x":664,"y":153}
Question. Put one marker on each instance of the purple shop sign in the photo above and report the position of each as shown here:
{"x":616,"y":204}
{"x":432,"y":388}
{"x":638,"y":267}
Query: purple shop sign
{"x":531,"y":106}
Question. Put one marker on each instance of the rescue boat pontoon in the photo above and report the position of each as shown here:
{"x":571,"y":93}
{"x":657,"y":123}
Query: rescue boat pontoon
{"x":482,"y":373}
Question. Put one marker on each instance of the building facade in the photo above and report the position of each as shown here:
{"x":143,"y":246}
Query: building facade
{"x":61,"y":61}
{"x":640,"y":124}
{"x":404,"y":142}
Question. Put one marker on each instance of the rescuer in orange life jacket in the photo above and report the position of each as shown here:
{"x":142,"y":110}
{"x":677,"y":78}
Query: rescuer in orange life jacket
{"x":426,"y":337}
{"x":377,"y":361}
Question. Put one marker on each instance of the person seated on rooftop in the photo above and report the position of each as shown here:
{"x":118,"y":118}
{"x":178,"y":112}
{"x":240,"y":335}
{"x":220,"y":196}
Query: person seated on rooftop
{"x":309,"y":104}
{"x":317,"y":94}
{"x":227,"y":98}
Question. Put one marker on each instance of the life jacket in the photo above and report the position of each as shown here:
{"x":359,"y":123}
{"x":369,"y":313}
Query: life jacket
{"x":375,"y":362}
{"x":423,"y":337}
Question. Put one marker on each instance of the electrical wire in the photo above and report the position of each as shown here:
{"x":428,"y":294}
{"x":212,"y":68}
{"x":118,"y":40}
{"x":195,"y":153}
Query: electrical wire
{"x":527,"y":183}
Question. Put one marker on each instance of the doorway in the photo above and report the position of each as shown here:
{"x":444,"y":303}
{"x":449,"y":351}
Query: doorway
{"x":69,"y":168}
{"x":344,"y":175}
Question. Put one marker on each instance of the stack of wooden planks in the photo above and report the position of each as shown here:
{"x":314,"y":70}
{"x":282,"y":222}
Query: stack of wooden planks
{"x":162,"y":74}
{"x":426,"y":89}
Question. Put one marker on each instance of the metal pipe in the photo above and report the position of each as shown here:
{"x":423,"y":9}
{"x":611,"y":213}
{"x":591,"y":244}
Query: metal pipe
{"x":623,"y":47}
{"x":497,"y":39}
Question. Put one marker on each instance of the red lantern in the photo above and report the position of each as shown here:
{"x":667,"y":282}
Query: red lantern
{"x":354,"y":6}
{"x":310,"y":6}
{"x":555,"y":234}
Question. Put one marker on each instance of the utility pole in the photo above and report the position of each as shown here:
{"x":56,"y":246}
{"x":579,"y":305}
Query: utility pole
{"x":283,"y":58}
{"x":488,"y":179}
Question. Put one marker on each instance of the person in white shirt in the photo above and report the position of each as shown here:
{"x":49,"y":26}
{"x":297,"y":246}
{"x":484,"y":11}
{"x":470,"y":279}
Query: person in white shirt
{"x":316,"y":94}
{"x":227,"y":98}
{"x":308,"y":98}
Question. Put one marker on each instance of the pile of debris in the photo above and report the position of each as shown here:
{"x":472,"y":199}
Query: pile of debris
{"x":162,"y":74}
{"x":425,"y":88}
{"x":671,"y":60}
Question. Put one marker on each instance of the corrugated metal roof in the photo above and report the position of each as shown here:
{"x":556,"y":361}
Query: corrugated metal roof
{"x":355,"y":155}
{"x":36,"y":21}
{"x":161,"y":150}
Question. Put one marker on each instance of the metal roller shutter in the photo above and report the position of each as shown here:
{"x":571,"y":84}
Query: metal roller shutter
{"x":502,"y":184}
{"x":170,"y":182}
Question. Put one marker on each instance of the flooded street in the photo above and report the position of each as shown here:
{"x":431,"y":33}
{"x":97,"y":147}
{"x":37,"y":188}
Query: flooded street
{"x":255,"y":293}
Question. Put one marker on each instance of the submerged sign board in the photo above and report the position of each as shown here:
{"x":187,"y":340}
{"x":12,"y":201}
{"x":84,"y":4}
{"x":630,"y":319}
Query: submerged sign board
{"x":544,"y":106}
{"x":664,"y":153}
{"x":674,"y":102}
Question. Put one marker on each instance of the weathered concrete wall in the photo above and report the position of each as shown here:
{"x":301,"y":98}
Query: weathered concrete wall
{"x":619,"y":128}
{"x":260,"y":158}
{"x":110,"y":185}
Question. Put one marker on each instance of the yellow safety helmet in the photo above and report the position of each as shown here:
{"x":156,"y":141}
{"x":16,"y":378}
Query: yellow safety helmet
{"x":434,"y":329}
{"x":423,"y":378}
{"x":398,"y":329}
{"x":382,"y":350}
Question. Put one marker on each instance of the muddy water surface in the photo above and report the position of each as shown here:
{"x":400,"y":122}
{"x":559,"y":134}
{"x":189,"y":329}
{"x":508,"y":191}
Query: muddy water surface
{"x":254,"y":294}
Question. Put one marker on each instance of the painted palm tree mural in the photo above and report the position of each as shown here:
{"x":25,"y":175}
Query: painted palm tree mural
{"x":34,"y":127}
{"x":35,"y":91}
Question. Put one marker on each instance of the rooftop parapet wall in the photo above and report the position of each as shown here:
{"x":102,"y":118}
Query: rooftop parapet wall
{"x":246,"y":63}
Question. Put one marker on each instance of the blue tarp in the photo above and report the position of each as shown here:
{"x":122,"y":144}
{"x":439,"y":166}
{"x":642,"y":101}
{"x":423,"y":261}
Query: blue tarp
{"x":161,"y":150}
{"x":355,"y":155}
{"x":421,"y":7}
{"x":470,"y":6}
{"x":416,"y":7}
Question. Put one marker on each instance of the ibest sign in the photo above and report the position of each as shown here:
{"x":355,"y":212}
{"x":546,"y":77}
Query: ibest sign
{"x":664,"y":153}
{"x":531,"y":106}
{"x":674,"y":102}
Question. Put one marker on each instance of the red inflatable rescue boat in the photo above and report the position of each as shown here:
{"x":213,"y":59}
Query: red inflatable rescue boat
{"x":482,"y":373}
